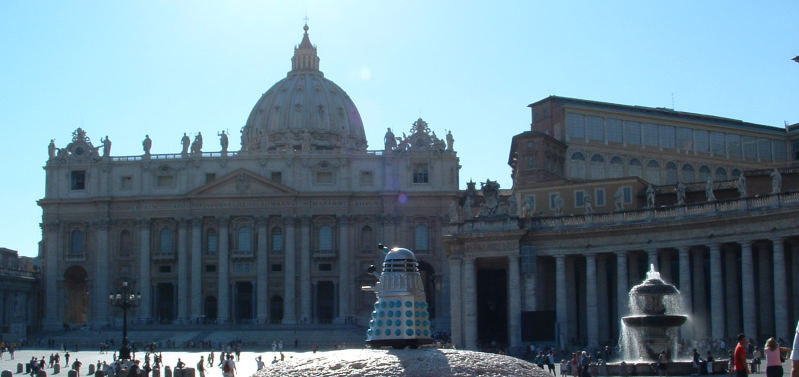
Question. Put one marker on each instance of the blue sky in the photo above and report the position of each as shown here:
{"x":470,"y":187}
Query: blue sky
{"x":126,"y":69}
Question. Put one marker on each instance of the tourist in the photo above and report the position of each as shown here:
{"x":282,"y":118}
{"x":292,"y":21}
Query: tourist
{"x":709,"y":362}
{"x":585,"y":361}
{"x":739,"y":364}
{"x":661,"y":364}
{"x":201,"y":367}
{"x":551,"y":363}
{"x":180,"y":365}
{"x":134,"y":370}
{"x":229,"y":367}
{"x":76,"y":365}
{"x":756,"y":356}
{"x":774,"y":358}
{"x":66,"y":357}
{"x":211,"y":359}
{"x":259,"y":363}
{"x":574,"y":365}
{"x":795,"y":353}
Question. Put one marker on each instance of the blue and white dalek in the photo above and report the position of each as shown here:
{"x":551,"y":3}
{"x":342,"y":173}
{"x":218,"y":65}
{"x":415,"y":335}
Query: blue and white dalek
{"x":400,"y":318}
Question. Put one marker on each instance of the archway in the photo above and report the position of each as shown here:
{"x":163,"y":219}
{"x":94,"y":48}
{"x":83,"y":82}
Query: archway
{"x":428,"y":281}
{"x":244,"y":301}
{"x":276,"y":309}
{"x":76,"y":303}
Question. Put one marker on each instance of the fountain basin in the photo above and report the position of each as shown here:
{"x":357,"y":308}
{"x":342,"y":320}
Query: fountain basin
{"x":661,"y":320}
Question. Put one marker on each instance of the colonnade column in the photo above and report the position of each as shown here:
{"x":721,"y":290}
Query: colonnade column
{"x":469,"y":304}
{"x":561,"y":308}
{"x":621,"y":283}
{"x":780,"y":289}
{"x":183,"y":270}
{"x":748,"y":291}
{"x":345,"y":280}
{"x":223,"y":282}
{"x":455,"y":306}
{"x":591,"y":306}
{"x":305,"y":269}
{"x":144,"y":271}
{"x":514,"y":302}
{"x":261,"y":270}
{"x":290,"y":268}
{"x":196,"y":268}
{"x":716,"y":294}
{"x":51,"y":275}
{"x":684,"y":253}
{"x":101,"y":284}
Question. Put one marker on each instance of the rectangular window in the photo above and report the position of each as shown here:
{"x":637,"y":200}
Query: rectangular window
{"x":649,"y":134}
{"x":579,"y":198}
{"x":599,"y":194}
{"x":667,"y":136}
{"x":628,"y":194}
{"x":780,"y":150}
{"x":325,"y":267}
{"x":749,"y":148}
{"x":420,"y":173}
{"x":366,"y":179}
{"x":632,"y":132}
{"x":77,"y":180}
{"x":554,"y":198}
{"x":277,"y":267}
{"x":277,"y":242}
{"x":575,"y":126}
{"x":210,"y":177}
{"x":596,"y":128}
{"x":210,"y":268}
{"x":531,"y":161}
{"x":734,"y":145}
{"x":717,"y":143}
{"x":324,"y":177}
{"x":125,"y":182}
{"x":685,"y":139}
{"x":277,"y":177}
{"x":530,"y":204}
{"x":165,"y":180}
{"x":764,"y":149}
{"x":614,"y":130}
{"x":702,"y":141}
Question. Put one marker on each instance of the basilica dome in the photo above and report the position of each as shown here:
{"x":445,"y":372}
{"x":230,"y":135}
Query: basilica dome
{"x":303,"y":112}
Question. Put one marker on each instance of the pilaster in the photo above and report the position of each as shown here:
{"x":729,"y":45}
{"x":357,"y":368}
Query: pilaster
{"x":99,"y":294}
{"x":290,"y":272}
{"x":51,"y":232}
{"x":514,"y":302}
{"x":469,"y":304}
{"x":145,"y":309}
{"x":262,"y":271}
{"x":223,"y":282}
{"x":305,"y":269}
{"x":561,"y":313}
{"x":183,"y":269}
{"x":455,"y":302}
{"x":345,"y":280}
{"x":196,"y":268}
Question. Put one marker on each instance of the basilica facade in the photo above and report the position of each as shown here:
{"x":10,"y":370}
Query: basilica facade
{"x":281,"y":232}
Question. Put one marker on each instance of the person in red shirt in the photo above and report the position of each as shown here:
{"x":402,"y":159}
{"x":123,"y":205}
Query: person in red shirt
{"x":741,"y":368}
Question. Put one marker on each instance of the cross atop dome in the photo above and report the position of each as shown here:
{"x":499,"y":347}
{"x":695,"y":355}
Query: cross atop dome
{"x":305,"y":58}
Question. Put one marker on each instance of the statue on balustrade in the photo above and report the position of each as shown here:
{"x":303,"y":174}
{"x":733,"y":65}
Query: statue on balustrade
{"x":740,"y":184}
{"x":106,"y":146}
{"x":650,"y":196}
{"x":709,"y":196}
{"x":680,"y":189}
{"x":450,"y":140}
{"x":776,"y":181}
{"x":51,"y":149}
{"x":147,"y":144}
{"x":588,"y":205}
{"x":185,"y":142}
{"x":618,"y":200}
{"x":558,"y":205}
{"x":223,"y":141}
{"x":390,"y":140}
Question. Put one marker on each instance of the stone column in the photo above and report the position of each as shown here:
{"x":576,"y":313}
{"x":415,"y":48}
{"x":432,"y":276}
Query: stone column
{"x":183,"y":269}
{"x":561,"y":308}
{"x":530,"y":294}
{"x":100,"y":292}
{"x":652,"y":259}
{"x":455,"y":302}
{"x":716,"y":293}
{"x":51,"y":318}
{"x":469,"y":304}
{"x":290,"y":275}
{"x":780,"y":289}
{"x":765,"y":289}
{"x":592,"y":310}
{"x":262,"y":270}
{"x":794,"y":298}
{"x":622,"y":289}
{"x":701,"y":326}
{"x":514,"y":302}
{"x":603,"y":299}
{"x":196,"y":268}
{"x":684,"y":253}
{"x":345,"y":279}
{"x":305,"y":270}
{"x":748,"y":291}
{"x":145,"y":309}
{"x":223,"y":282}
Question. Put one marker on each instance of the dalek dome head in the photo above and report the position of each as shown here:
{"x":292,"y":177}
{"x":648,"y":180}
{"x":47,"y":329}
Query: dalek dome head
{"x":400,"y":260}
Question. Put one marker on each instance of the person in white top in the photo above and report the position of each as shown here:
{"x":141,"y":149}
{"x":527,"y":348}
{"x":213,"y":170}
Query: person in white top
{"x":795,"y":354}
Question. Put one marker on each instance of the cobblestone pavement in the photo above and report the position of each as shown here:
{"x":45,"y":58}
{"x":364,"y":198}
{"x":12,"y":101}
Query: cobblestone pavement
{"x":245,"y":367}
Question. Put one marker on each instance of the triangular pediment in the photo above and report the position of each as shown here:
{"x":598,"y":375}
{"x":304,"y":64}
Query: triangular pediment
{"x":241,"y":182}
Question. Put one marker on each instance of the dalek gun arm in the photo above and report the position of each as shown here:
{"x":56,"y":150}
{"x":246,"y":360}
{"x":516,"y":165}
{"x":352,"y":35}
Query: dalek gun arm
{"x":376,"y":287}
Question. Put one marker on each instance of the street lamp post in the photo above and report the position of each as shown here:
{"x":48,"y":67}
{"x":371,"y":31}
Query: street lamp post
{"x":125,"y":299}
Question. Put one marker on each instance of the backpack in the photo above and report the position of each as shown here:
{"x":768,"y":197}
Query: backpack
{"x":226,"y":367}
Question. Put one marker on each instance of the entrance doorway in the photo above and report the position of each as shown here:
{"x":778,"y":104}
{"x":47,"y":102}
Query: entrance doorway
{"x":276,"y":309}
{"x":243,"y":302}
{"x":76,"y":304}
{"x":210,"y":309}
{"x":492,"y":308}
{"x":165,"y":302}
{"x":325,"y":299}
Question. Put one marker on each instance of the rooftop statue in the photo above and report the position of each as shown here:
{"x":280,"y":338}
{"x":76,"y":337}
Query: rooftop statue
{"x":147,"y":144}
{"x":390,"y":140}
{"x":709,"y":196}
{"x":450,"y":141}
{"x":223,"y":141}
{"x":185,"y":142}
{"x":106,"y":146}
{"x":197,"y":145}
{"x":51,"y":149}
{"x":776,"y":181}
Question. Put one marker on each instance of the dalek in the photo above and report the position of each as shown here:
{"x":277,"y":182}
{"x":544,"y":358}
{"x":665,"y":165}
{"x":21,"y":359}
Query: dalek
{"x":400,"y":318}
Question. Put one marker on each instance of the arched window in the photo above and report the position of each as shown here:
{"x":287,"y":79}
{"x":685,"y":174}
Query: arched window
{"x":76,"y":242}
{"x":325,"y":238}
{"x":597,"y":167}
{"x":421,"y":237}
{"x":277,"y":239}
{"x":688,"y":175}
{"x":652,"y":173}
{"x":578,"y":165}
{"x":367,"y":238}
{"x":671,"y":173}
{"x":165,"y":241}
{"x":635,"y":168}
{"x":721,"y":174}
{"x":245,"y":238}
{"x":125,"y":243}
{"x":211,"y":242}
{"x":704,"y":172}
{"x":616,"y":167}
